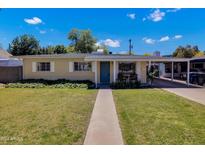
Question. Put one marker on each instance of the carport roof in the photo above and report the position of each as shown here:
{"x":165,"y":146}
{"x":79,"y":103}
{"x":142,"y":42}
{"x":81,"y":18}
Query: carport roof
{"x":198,"y":59}
{"x":10,"y":62}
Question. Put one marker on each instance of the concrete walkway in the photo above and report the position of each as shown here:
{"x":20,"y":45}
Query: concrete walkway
{"x":104,"y":126}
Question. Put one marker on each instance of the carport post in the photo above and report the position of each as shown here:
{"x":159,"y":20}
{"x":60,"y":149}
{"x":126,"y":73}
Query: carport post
{"x":114,"y":71}
{"x":188,"y":72}
{"x":96,"y":74}
{"x":172,"y":77}
{"x":149,"y":65}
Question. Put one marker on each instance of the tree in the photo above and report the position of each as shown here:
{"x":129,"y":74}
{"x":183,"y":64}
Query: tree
{"x":58,"y":49}
{"x":151,"y":74}
{"x":147,"y":54}
{"x":70,"y":49}
{"x":24,"y":45}
{"x":200,"y":54}
{"x":178,"y":52}
{"x":47,"y":50}
{"x":82,"y":40}
{"x":186,"y":52}
{"x":74,"y":36}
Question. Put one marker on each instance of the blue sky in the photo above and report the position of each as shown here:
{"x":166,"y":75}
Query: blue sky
{"x":149,"y":29}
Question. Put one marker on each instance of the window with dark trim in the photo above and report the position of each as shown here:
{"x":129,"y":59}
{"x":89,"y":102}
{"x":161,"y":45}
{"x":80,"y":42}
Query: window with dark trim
{"x":43,"y":66}
{"x":127,"y":67}
{"x":82,"y":66}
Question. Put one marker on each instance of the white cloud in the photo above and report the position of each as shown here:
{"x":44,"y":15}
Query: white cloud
{"x":165,"y":38}
{"x":173,"y":10}
{"x":98,"y":43}
{"x":33,"y":21}
{"x":162,"y":39}
{"x":149,"y":40}
{"x":131,"y":16}
{"x":42,"y":31}
{"x":109,"y":42}
{"x":112,"y":43}
{"x":144,"y":19}
{"x":156,"y":16}
{"x":177,"y":37}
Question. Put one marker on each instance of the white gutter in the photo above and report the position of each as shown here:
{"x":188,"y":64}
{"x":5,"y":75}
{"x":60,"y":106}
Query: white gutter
{"x":138,"y":59}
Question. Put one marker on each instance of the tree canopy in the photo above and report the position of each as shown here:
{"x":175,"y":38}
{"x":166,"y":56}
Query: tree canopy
{"x":186,"y":52}
{"x":58,"y":49}
{"x":24,"y":45}
{"x":82,"y":40}
{"x":200,"y":54}
{"x":147,"y":54}
{"x":29,"y":45}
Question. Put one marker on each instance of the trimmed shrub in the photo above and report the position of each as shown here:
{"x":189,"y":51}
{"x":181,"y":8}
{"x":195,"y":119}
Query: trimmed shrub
{"x":125,"y":85}
{"x":51,"y":84}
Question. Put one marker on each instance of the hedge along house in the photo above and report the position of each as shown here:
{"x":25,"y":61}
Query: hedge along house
{"x":98,"y":68}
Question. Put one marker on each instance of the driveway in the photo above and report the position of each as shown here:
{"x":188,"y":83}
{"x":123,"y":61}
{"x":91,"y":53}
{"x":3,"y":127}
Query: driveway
{"x":192,"y":93}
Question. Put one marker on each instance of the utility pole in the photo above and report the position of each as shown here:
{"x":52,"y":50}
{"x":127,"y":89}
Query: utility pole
{"x":130,"y":46}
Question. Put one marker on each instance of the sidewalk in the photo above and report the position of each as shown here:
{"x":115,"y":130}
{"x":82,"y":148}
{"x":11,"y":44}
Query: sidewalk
{"x":104,"y":126}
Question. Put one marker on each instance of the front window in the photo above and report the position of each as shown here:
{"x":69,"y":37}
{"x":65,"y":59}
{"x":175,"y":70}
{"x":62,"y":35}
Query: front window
{"x":82,"y":66}
{"x":43,"y":66}
{"x":126,"y":67}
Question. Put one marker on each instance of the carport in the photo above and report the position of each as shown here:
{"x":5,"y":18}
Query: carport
{"x":172,"y":61}
{"x":10,"y":70}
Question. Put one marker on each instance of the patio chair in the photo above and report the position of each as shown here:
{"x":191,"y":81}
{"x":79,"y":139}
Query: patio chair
{"x":121,"y":77}
{"x":133,"y":77}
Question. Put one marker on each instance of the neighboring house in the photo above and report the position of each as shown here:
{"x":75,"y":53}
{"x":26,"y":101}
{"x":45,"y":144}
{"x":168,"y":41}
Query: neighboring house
{"x":10,"y":68}
{"x":99,"y":68}
{"x":4,"y":54}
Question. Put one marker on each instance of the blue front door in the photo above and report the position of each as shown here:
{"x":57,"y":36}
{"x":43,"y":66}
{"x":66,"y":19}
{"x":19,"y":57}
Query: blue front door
{"x":104,"y":72}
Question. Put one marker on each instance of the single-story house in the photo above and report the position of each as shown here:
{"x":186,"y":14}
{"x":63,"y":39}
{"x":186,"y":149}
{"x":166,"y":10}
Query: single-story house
{"x":96,"y":67}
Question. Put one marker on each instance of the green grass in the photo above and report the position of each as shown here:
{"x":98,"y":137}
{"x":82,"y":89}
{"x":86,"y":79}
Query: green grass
{"x":154,"y":116}
{"x":45,"y":116}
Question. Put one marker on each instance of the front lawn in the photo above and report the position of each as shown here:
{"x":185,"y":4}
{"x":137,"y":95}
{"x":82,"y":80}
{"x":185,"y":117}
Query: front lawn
{"x":45,"y":116}
{"x":154,"y":116}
